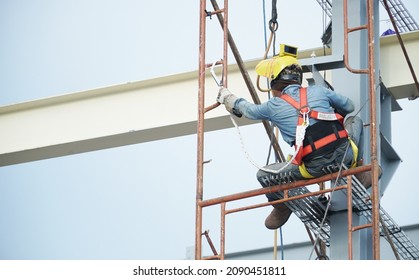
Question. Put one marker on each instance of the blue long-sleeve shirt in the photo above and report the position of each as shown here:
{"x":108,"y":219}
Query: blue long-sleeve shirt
{"x":285,"y":116}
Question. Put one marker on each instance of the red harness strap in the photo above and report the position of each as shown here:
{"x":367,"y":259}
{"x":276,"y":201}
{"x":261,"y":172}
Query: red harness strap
{"x":303,"y":108}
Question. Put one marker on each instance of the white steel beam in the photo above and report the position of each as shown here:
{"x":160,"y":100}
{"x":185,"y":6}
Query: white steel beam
{"x":108,"y":117}
{"x":148,"y":110}
{"x":394,"y":71}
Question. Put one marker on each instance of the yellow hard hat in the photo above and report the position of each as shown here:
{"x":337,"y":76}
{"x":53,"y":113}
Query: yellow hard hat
{"x":270,"y":68}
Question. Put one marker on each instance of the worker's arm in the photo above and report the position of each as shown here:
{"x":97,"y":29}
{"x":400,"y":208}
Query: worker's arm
{"x":342,"y":104}
{"x":241,"y":107}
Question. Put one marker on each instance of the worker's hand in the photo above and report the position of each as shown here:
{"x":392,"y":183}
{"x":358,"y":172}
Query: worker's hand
{"x":222,"y":94}
{"x":228,"y":99}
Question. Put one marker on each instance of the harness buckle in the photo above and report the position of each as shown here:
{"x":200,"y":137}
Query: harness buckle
{"x":305,"y":113}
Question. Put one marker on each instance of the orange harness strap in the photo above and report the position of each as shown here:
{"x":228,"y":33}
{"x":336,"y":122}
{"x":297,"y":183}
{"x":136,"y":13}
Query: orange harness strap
{"x":300,"y":106}
{"x":324,"y":141}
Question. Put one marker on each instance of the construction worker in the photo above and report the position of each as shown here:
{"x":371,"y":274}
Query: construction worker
{"x":324,"y":138}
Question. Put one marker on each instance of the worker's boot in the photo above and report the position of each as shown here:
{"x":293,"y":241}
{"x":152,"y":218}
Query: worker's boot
{"x":366,"y":179}
{"x":278,"y":217}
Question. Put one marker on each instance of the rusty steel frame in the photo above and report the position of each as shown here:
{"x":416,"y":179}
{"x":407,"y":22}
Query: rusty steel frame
{"x":200,"y":203}
{"x":223,"y":200}
{"x":201,"y":111}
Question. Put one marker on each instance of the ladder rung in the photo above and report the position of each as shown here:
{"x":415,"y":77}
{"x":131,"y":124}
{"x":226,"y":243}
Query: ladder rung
{"x":355,"y":228}
{"x":209,"y":65}
{"x":220,"y":11}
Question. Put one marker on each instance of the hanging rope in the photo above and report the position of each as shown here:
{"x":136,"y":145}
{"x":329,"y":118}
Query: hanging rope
{"x":273,"y":27}
{"x":273,"y":23}
{"x":251,"y":160}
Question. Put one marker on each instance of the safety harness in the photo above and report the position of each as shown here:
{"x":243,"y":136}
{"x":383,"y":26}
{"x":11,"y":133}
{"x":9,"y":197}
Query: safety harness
{"x":319,"y":138}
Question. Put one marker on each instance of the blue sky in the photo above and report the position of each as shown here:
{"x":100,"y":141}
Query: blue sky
{"x":118,"y":203}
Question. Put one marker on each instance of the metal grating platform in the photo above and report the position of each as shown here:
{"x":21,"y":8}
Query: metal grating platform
{"x":403,"y":19}
{"x":311,"y":212}
{"x":326,"y":6}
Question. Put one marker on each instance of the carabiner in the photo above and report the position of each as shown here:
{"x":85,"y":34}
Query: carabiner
{"x":219,"y":82}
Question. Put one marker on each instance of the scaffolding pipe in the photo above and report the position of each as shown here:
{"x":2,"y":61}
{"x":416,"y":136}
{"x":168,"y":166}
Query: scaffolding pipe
{"x":201,"y":113}
{"x":223,"y":231}
{"x":214,"y":251}
{"x":373,"y":131}
{"x":286,"y":187}
{"x":200,"y":132}
{"x":284,"y":199}
{"x":350,"y":226}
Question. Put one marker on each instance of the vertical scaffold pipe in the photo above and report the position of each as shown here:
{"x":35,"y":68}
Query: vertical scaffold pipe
{"x":374,"y":159}
{"x":200,"y":131}
{"x":225,"y":44}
